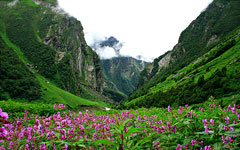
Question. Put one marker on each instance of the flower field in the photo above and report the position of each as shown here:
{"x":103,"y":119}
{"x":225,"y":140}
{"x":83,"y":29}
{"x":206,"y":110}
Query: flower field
{"x":187,"y":127}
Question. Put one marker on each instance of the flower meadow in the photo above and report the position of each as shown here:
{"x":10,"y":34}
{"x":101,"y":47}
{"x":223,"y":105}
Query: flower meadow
{"x":188,"y":127}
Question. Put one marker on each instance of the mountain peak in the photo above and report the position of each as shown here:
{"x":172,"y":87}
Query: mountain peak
{"x":108,"y":48}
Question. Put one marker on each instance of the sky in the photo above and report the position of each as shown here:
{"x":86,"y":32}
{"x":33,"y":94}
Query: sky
{"x":145,"y":27}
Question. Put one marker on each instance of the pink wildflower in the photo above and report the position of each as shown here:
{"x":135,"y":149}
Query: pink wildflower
{"x":206,"y":129}
{"x":179,"y":147}
{"x":225,"y":128}
{"x":233,"y":110}
{"x":186,"y":146}
{"x":208,"y":147}
{"x":201,"y":143}
{"x":10,"y":145}
{"x":27,"y":147}
{"x":180,"y":111}
{"x":4,"y":115}
{"x":169,"y":109}
{"x":212,"y":122}
{"x":65,"y":147}
{"x":3,"y":132}
{"x":205,"y":121}
{"x":174,"y":129}
{"x":194,"y":142}
{"x":227,"y":120}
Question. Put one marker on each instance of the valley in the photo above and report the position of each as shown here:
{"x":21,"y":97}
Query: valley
{"x":59,"y":92}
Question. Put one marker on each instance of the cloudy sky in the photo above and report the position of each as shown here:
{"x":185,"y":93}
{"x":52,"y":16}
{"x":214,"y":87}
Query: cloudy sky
{"x":146,"y":27}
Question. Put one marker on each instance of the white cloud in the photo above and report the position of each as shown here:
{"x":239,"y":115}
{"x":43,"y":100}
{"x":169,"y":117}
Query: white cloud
{"x":106,"y":52}
{"x":147,"y":27}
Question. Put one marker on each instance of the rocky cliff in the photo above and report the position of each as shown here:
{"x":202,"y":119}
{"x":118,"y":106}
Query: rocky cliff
{"x":53,"y":43}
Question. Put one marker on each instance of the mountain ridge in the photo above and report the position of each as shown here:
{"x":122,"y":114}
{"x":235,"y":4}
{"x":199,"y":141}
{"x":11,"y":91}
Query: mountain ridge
{"x":207,"y":32}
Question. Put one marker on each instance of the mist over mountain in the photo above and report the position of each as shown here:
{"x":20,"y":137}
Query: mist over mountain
{"x":110,"y":47}
{"x":120,"y":73}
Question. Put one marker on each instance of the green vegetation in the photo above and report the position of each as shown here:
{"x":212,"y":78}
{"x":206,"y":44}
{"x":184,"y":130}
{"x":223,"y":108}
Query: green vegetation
{"x":204,"y":33}
{"x":19,"y":29}
{"x":53,"y":94}
{"x":206,"y":126}
{"x":18,"y":109}
{"x":113,"y":94}
{"x":30,"y":69}
{"x":216,"y":73}
{"x":121,"y":76}
{"x":205,"y":50}
{"x":16,"y":80}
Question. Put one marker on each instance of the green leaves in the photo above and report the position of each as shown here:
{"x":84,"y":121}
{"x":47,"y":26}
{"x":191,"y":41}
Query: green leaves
{"x":141,"y":142}
{"x":232,"y":133}
{"x":217,"y":146}
{"x":132,"y":130}
{"x":105,"y":142}
{"x":121,"y":127}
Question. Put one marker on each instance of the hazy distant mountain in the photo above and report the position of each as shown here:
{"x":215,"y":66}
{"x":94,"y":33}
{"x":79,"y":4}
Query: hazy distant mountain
{"x":120,"y":73}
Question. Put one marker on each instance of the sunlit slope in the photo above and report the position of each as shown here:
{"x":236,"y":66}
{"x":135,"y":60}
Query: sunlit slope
{"x":215,"y":73}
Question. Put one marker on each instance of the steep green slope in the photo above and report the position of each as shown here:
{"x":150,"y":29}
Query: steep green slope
{"x":216,"y":74}
{"x":52,"y":54}
{"x":13,"y":72}
{"x":210,"y":27}
{"x":53,"y":94}
{"x":29,"y":85}
{"x":121,"y":76}
{"x":53,"y":42}
{"x":208,"y":31}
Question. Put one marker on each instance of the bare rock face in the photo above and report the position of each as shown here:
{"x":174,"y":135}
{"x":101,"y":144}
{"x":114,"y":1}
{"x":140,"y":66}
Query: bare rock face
{"x":65,"y":35}
{"x":164,"y":61}
{"x":82,"y":58}
{"x":214,"y":38}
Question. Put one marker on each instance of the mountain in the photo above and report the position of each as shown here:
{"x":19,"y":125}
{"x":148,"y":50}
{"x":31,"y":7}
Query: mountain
{"x":120,"y":76}
{"x":120,"y":73}
{"x":204,"y":62}
{"x":44,"y":55}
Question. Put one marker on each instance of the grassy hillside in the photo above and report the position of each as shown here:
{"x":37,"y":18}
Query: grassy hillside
{"x":30,"y":70}
{"x":49,"y":92}
{"x":13,"y":72}
{"x":205,"y":32}
{"x":167,"y":77}
{"x":216,"y":73}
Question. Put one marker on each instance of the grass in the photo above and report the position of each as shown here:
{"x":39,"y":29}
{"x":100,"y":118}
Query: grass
{"x":56,"y":95}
